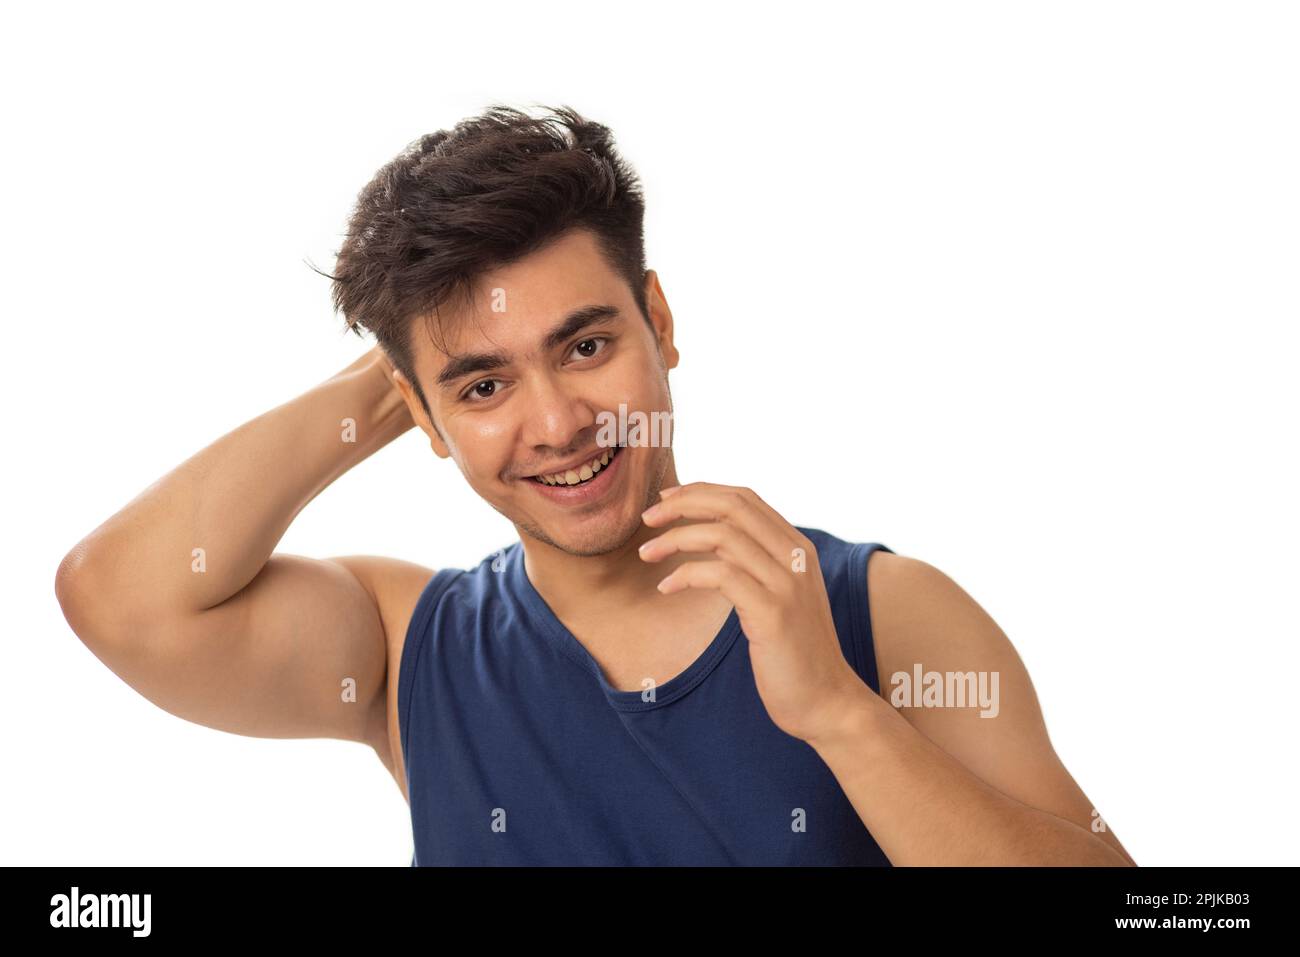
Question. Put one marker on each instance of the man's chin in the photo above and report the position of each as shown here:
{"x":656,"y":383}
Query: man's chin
{"x":601,"y":538}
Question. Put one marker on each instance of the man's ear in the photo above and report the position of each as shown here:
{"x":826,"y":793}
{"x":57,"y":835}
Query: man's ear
{"x":416,"y":408}
{"x":661,"y":318}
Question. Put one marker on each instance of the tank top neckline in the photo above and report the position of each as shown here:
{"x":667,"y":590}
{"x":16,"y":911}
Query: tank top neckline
{"x":564,"y":640}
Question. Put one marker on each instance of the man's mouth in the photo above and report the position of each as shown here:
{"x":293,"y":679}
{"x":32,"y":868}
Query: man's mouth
{"x":579,"y":473}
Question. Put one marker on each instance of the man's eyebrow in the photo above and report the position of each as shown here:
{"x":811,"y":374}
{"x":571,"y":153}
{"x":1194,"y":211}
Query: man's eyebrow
{"x":469,"y":363}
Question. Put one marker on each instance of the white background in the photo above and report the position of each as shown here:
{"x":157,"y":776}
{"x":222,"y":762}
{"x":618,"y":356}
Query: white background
{"x":1010,"y":287}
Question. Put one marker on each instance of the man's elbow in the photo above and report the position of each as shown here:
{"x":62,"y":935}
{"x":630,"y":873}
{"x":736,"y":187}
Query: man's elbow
{"x":80,"y":600}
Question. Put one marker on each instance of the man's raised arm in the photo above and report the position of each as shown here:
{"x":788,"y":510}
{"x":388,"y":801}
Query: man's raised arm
{"x":180,"y":595}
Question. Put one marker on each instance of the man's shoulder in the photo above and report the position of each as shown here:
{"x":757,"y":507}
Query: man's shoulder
{"x":921,"y":616}
{"x":903,"y":588}
{"x":395,"y":587}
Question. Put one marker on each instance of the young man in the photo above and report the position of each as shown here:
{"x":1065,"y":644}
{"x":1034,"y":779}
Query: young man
{"x":698,"y":683}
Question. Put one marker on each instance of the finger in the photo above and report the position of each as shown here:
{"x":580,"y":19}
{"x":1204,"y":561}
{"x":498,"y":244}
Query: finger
{"x":727,"y":503}
{"x":724,"y":540}
{"x":740,"y":588}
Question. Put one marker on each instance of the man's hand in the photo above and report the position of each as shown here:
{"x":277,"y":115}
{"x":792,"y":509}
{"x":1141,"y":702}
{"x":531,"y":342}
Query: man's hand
{"x":770,"y":571}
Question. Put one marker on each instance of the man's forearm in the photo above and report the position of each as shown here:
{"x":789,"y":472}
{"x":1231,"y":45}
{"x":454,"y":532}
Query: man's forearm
{"x":235,"y":499}
{"x":923,"y":807}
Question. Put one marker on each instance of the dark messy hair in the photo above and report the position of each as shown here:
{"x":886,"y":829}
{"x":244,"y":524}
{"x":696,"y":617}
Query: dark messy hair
{"x":490,"y":191}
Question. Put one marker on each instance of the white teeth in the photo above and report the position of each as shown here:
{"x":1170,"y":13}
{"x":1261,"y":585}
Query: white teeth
{"x":581,"y":474}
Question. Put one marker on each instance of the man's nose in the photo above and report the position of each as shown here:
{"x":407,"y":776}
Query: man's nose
{"x":554,"y":416}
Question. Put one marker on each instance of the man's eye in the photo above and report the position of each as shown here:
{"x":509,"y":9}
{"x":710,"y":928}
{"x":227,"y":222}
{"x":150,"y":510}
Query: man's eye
{"x":473,"y":393}
{"x":600,"y":339}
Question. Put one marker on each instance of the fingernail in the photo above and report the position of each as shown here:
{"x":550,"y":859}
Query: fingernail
{"x":665,"y":492}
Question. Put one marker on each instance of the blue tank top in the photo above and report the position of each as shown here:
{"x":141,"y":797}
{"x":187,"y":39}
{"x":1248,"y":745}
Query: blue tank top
{"x":519,"y":752}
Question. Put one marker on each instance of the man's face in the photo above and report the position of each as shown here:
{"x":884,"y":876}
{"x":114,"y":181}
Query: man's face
{"x":568,"y":346}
